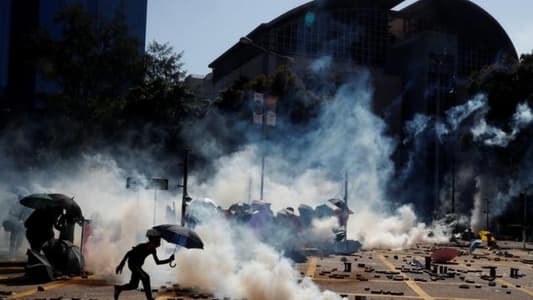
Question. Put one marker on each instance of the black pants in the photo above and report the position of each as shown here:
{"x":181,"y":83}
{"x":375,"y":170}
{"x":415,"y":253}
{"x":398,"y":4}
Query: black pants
{"x":138,"y":274}
{"x":37,"y":237}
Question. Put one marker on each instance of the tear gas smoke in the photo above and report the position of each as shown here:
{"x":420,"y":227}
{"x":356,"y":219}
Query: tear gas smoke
{"x":476,"y":219}
{"x":321,"y":65}
{"x":456,"y":115}
{"x":310,"y":187}
{"x":416,"y":126}
{"x":322,"y":228}
{"x":305,"y":169}
{"x":119,"y":217}
{"x":471,"y":118}
{"x":398,"y":231}
{"x":348,"y":137}
{"x":235,"y":264}
{"x":493,"y":136}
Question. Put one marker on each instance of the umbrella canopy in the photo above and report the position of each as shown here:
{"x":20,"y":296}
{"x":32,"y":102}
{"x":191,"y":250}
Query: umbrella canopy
{"x":180,"y":235}
{"x":238,"y":208}
{"x":42,"y":201}
{"x":443,"y":255}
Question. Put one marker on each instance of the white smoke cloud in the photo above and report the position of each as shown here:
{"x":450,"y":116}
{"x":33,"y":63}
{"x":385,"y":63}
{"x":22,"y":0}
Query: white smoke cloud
{"x":119,"y":217}
{"x":476,"y":218}
{"x":397,"y":231}
{"x":321,"y":65}
{"x":493,"y":136}
{"x":348,"y":138}
{"x":456,"y":115}
{"x":230,"y":183}
{"x":235,"y":264}
{"x":322,"y":229}
{"x":523,"y":116}
{"x":416,"y":126}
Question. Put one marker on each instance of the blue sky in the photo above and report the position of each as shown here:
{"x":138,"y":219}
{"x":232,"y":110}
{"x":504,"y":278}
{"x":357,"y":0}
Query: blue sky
{"x":204,"y":29}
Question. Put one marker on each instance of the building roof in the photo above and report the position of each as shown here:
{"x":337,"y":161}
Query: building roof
{"x":463,"y":18}
{"x":317,"y":4}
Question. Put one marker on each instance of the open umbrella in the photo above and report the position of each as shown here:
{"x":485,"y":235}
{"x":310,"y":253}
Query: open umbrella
{"x":180,"y":235}
{"x":42,"y":201}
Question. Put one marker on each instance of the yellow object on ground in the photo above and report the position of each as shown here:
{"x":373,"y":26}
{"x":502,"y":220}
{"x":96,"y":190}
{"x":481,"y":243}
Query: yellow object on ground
{"x":487,"y":236}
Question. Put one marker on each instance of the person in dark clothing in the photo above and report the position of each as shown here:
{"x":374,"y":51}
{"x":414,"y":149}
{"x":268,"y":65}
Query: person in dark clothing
{"x":66,"y":224}
{"x":135,"y":258}
{"x":40,"y":226}
{"x":14,"y":224}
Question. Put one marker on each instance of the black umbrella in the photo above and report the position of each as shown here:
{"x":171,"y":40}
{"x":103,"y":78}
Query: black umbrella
{"x":180,"y":235}
{"x":43,"y":201}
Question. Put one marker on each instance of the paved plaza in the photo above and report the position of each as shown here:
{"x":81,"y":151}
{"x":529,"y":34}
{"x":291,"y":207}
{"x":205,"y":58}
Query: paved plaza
{"x":376,"y":274}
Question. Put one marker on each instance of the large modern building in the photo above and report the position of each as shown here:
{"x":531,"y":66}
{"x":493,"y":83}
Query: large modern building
{"x":420,"y":57}
{"x":430,"y":47}
{"x":19,"y":81}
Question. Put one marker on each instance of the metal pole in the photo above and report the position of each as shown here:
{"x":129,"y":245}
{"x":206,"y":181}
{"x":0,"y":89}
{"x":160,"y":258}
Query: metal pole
{"x":487,"y":211}
{"x":453,"y":174}
{"x":184,"y":194}
{"x":155,"y":204}
{"x":263,"y":128}
{"x":524,"y":222}
{"x":250,"y":190}
{"x":346,"y":204}
{"x":437,"y":120}
{"x":263,"y":152}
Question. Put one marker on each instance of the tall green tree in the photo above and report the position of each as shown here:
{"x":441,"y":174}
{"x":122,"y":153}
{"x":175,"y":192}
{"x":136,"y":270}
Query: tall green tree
{"x":162,"y":97}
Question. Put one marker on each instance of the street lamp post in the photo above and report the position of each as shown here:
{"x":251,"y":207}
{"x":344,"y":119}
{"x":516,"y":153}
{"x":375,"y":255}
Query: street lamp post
{"x":266,"y":69}
{"x":185,"y":196}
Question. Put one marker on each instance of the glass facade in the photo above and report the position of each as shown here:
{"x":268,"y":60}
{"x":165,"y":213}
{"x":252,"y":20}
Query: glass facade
{"x":5,"y":22}
{"x":359,"y":35}
{"x":133,"y":12}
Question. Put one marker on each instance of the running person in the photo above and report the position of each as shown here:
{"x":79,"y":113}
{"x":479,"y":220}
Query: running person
{"x":135,"y":258}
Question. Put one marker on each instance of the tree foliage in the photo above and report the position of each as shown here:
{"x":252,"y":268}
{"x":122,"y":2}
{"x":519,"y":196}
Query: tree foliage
{"x":296,"y":104}
{"x":162,"y":97}
{"x":506,"y":87}
{"x":105,"y":89}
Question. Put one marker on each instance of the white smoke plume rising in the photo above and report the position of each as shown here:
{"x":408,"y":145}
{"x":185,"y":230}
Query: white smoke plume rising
{"x":348,"y":138}
{"x":400,"y":230}
{"x":416,"y":126}
{"x":481,"y":130}
{"x":456,"y":115}
{"x":231,"y":182}
{"x":235,"y":264}
{"x":119,"y":217}
{"x":476,"y":216}
{"x":322,"y":228}
{"x":494,"y":136}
